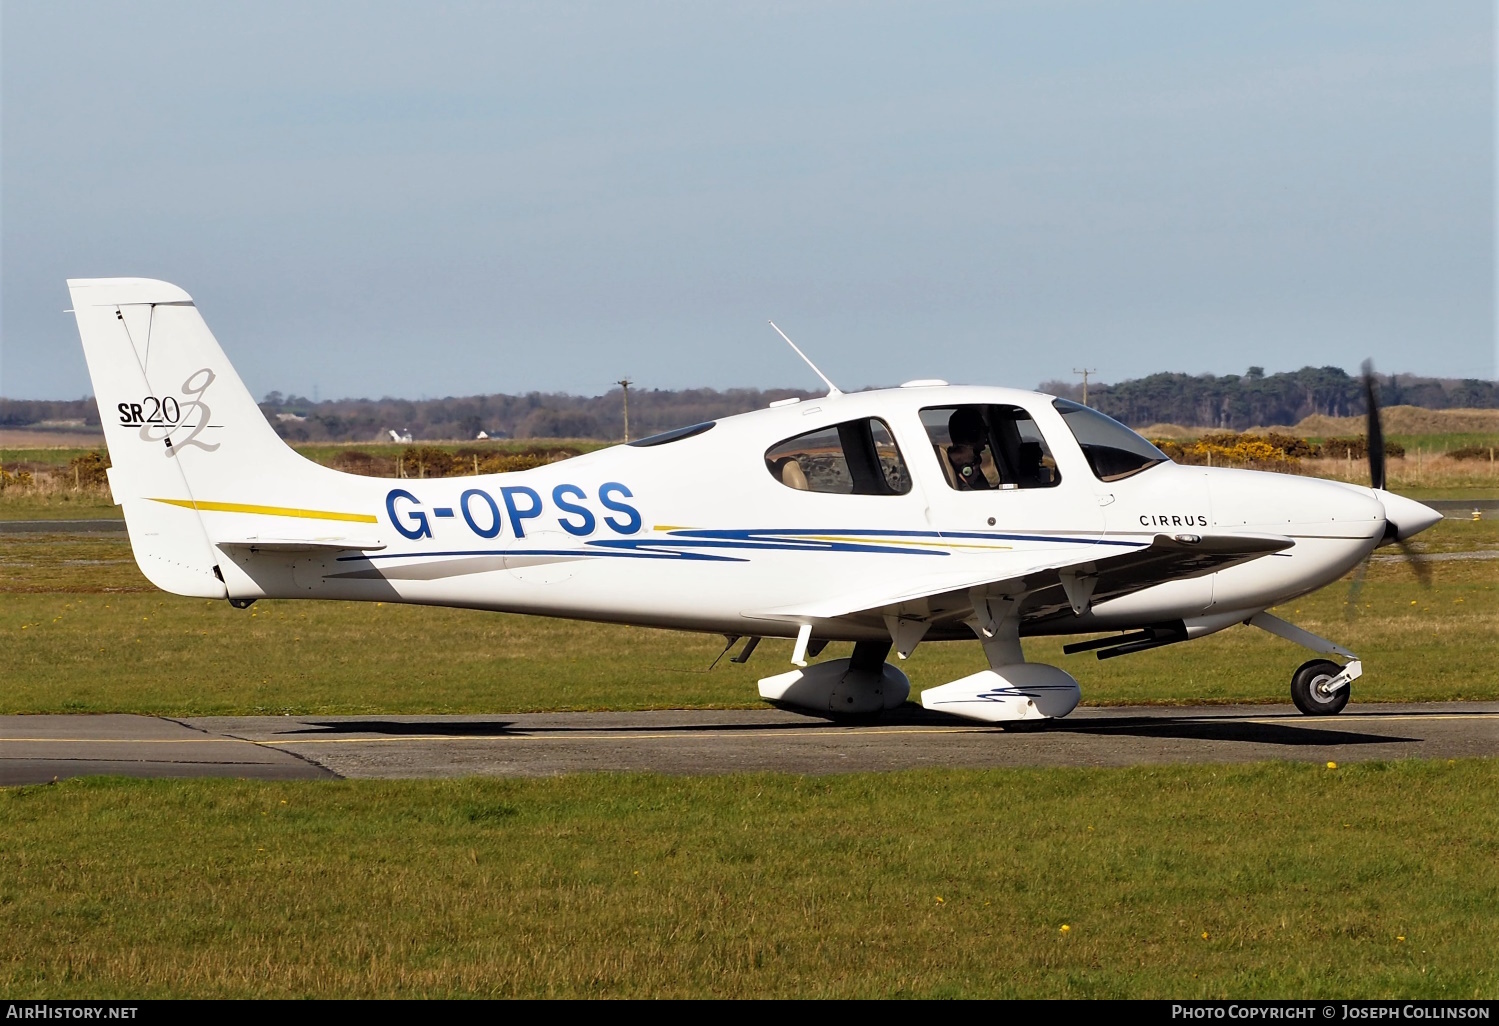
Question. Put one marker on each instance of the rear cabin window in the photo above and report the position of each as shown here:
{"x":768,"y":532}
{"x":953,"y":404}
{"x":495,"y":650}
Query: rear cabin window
{"x":989,"y":447}
{"x":858,"y":457}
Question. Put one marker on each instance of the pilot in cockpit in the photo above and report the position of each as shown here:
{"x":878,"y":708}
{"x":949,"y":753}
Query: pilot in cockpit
{"x":966,"y":454}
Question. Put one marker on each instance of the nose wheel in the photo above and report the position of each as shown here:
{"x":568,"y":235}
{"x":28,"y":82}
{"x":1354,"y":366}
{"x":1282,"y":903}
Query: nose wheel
{"x":1320,"y":687}
{"x":1314,"y":688}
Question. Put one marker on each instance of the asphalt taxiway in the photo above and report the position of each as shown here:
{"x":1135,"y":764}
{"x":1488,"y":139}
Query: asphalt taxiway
{"x":36,"y":749}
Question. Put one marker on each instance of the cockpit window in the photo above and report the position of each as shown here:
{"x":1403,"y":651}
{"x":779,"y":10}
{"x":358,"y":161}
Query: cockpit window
{"x":1113,"y":450}
{"x":988,"y":447}
{"x":858,"y":457}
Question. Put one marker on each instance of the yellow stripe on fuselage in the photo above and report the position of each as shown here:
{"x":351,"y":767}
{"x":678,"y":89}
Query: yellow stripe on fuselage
{"x":270,"y":511}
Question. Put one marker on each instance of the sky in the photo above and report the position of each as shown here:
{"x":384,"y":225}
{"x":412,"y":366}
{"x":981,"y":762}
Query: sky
{"x":426,"y":199}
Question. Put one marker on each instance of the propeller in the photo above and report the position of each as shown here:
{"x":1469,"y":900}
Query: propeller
{"x":1374,"y":436}
{"x":1374,"y":431}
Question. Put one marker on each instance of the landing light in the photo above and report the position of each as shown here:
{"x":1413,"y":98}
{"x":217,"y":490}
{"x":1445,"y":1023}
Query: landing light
{"x":1189,"y":539}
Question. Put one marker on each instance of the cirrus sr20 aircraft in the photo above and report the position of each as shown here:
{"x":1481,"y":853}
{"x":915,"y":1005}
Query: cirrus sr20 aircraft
{"x":928,"y":512}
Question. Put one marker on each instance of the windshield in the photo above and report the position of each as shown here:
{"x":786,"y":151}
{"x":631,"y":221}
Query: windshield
{"x":1113,"y":450}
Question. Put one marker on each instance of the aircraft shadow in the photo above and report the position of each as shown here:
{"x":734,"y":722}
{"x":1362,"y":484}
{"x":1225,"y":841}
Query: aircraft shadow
{"x":1219,"y":730}
{"x":1153,"y":727}
{"x":398,"y":728}
{"x":508,"y":729}
{"x":1192,"y":729}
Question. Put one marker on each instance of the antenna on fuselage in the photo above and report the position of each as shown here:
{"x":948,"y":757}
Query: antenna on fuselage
{"x":832,"y":388}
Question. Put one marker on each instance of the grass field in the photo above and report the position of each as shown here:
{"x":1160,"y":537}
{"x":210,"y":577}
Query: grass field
{"x":22,"y":504}
{"x":83,"y":632}
{"x":1419,"y":476}
{"x":1279,"y":880}
{"x":1375,"y":880}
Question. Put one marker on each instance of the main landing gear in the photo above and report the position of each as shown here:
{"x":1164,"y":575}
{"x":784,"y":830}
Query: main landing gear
{"x":1319,"y":687}
{"x":1010,"y":690}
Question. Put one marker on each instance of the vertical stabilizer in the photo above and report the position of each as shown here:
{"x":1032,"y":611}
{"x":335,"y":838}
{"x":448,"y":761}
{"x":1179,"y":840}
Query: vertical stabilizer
{"x":195,"y":462}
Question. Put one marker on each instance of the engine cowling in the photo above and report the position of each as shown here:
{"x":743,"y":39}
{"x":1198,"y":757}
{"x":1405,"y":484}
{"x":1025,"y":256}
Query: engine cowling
{"x":835,"y":687}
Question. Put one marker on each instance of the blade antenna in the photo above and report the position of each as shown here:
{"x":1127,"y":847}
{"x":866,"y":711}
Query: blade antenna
{"x":832,"y":388}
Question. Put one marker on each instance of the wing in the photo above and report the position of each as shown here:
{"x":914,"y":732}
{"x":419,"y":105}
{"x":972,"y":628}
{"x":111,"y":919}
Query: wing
{"x":1074,"y":576}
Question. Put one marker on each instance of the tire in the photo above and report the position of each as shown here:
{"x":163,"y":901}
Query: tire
{"x":1306,"y":685}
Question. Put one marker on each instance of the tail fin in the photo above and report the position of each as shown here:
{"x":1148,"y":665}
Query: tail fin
{"x":185,"y":436}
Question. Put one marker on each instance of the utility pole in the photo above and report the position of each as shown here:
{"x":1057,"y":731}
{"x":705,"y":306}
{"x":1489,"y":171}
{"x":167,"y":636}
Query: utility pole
{"x":624,"y":385}
{"x":1085,"y":372}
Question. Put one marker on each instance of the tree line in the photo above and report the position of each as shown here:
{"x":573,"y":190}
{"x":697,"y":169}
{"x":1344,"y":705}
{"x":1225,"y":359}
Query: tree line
{"x":1229,"y":402}
{"x":1235,"y":402}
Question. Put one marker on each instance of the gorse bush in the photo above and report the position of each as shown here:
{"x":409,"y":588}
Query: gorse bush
{"x":422,"y":461}
{"x":430,"y":461}
{"x":427,"y":461}
{"x":84,"y":473}
{"x":1273,"y":451}
{"x":1473,"y":452}
{"x":88,"y":470}
{"x":1227,"y":448}
{"x":1357,"y":448}
{"x":506,"y":462}
{"x":14,"y":479}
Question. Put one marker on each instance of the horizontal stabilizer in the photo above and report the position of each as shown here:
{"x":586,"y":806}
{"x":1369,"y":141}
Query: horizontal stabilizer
{"x":301,"y":544}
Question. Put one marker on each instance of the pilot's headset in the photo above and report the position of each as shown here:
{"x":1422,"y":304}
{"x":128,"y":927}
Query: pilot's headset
{"x":967,"y":430}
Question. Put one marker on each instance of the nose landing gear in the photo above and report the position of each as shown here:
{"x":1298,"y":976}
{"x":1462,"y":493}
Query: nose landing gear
{"x":1319,"y":687}
{"x":1313,"y":689}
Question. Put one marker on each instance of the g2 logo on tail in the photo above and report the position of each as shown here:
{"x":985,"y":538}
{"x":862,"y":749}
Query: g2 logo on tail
{"x":161,"y":418}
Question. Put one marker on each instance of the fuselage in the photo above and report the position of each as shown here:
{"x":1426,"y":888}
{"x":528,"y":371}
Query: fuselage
{"x":713,"y":532}
{"x":887,"y":517}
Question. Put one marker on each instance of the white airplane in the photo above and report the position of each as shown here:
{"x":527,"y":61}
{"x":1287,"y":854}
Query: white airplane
{"x":928,"y":512}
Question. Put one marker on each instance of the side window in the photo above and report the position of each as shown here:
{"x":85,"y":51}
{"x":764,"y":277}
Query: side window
{"x":988,"y":447}
{"x":858,"y":457}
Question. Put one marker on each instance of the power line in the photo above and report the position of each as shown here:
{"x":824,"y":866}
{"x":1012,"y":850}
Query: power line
{"x":1085,"y":372}
{"x":624,"y":385}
